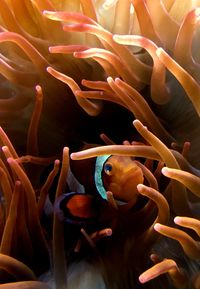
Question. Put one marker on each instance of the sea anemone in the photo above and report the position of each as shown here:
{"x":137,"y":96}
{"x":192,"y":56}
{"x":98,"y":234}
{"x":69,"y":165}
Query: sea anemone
{"x":122,"y":78}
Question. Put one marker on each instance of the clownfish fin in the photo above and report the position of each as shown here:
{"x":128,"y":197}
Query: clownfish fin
{"x":74,"y":184}
{"x":81,"y":206}
{"x":76,"y":208}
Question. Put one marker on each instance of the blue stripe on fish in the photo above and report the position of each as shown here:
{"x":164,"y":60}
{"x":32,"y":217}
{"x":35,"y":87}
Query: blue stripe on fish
{"x":100,"y":161}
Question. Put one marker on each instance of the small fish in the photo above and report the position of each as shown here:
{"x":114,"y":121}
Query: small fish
{"x":118,"y":174}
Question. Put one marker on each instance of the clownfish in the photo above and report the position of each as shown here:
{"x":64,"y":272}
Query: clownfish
{"x":118,"y":174}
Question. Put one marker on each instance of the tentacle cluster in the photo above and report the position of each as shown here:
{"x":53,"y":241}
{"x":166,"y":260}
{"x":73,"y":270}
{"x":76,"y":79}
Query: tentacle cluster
{"x":143,"y":56}
{"x":179,"y":199}
{"x":21,"y":233}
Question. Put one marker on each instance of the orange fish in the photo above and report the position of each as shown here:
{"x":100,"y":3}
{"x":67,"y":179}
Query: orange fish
{"x":121,"y":175}
{"x":118,"y":174}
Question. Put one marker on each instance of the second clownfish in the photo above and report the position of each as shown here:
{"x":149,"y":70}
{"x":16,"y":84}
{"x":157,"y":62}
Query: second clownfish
{"x":118,"y":174}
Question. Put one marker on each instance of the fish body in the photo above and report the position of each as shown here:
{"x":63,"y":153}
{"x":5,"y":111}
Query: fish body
{"x":76,"y":208}
{"x":118,"y":174}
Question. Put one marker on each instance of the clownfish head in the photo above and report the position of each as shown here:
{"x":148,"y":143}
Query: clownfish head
{"x":118,"y":174}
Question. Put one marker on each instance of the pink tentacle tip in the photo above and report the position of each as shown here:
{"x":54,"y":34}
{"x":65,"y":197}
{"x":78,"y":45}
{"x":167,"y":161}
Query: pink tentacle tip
{"x":49,"y":69}
{"x":157,"y":227}
{"x":78,"y":54}
{"x":48,"y":13}
{"x":18,"y":184}
{"x":142,"y":279}
{"x":109,"y":232}
{"x":177,"y":220}
{"x":51,"y":49}
{"x":72,"y":156}
{"x":109,"y":79}
{"x":140,"y":187}
{"x":196,"y":15}
{"x":10,"y":160}
{"x":38,"y":88}
{"x":4,"y":148}
{"x":165,"y":171}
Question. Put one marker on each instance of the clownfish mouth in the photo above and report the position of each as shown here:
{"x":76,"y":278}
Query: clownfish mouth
{"x":120,"y":203}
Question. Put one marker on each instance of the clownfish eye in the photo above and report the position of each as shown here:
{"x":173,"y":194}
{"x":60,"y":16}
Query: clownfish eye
{"x":108,"y":169}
